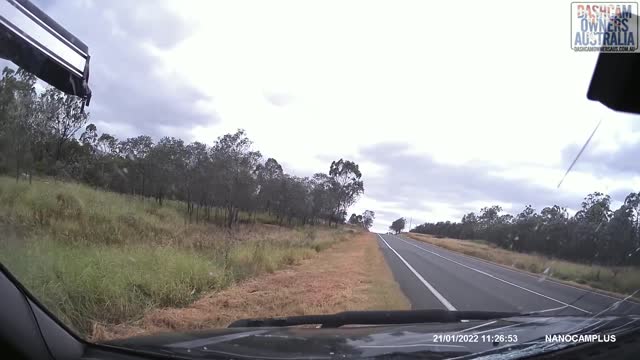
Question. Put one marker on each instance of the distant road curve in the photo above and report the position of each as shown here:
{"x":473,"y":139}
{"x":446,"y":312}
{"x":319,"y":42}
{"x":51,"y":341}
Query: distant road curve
{"x":435,"y":278}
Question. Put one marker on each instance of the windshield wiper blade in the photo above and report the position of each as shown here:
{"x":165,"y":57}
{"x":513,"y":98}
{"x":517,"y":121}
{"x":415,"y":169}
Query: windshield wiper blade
{"x":375,"y":318}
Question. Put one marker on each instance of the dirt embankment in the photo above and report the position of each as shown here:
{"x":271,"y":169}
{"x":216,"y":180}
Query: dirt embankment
{"x":352,"y":275}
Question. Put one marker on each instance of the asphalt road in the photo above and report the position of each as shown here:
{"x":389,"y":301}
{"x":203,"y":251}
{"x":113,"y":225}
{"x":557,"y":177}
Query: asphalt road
{"x":435,"y":278}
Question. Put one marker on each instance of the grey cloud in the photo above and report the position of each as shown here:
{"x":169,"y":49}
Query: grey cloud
{"x":43,"y":4}
{"x":389,"y":215}
{"x":153,"y":23}
{"x":411,"y":179}
{"x":619,"y":164}
{"x":127,"y":88}
{"x":385,"y":218}
{"x":626,"y":160}
{"x":621,"y":194}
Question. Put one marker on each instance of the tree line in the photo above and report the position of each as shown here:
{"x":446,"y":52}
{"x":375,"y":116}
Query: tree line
{"x":398,"y":225}
{"x":595,"y":234}
{"x":47,"y":133}
{"x":365,"y":219}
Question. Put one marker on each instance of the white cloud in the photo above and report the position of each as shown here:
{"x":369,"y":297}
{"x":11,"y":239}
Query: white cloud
{"x":470,"y":83}
{"x":481,"y":83}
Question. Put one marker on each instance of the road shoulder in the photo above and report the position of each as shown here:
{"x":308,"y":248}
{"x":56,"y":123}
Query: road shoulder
{"x":488,"y":257}
{"x":352,"y":275}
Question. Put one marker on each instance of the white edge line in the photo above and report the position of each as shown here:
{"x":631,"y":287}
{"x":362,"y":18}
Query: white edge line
{"x":518,"y":271}
{"x":477,"y":326}
{"x":496,"y":329}
{"x":546,"y":310}
{"x":411,"y":345}
{"x":495,"y":277}
{"x":621,"y":326}
{"x":435,"y":292}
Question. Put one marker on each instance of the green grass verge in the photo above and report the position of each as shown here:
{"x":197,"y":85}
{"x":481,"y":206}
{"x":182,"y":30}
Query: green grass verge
{"x":97,"y":257}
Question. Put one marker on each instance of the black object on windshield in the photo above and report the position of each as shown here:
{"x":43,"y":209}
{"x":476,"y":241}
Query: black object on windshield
{"x":616,"y":80}
{"x":35,"y":42}
{"x":375,"y":318}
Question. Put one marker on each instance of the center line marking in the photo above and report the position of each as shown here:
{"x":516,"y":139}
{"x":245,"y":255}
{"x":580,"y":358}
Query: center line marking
{"x":435,"y":292}
{"x":494,"y":277}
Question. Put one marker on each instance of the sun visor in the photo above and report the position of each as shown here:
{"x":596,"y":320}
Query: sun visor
{"x":35,"y":42}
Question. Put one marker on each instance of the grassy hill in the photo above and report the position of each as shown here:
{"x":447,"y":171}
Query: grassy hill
{"x":95,"y":257}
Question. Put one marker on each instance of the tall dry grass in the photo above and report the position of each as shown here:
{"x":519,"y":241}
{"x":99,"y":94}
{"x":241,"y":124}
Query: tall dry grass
{"x":624,"y":280}
{"x":93,"y":256}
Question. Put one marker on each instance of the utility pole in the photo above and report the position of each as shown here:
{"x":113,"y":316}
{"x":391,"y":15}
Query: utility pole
{"x":410,"y":221}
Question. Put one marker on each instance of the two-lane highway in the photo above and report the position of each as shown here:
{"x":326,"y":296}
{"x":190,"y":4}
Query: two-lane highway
{"x":435,"y":278}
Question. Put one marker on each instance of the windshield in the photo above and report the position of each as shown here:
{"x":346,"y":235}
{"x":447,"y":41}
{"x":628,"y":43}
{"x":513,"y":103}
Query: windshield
{"x":256,"y":159}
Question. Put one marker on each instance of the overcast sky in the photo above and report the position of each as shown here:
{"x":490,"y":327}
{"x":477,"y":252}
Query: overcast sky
{"x":446,"y":109}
